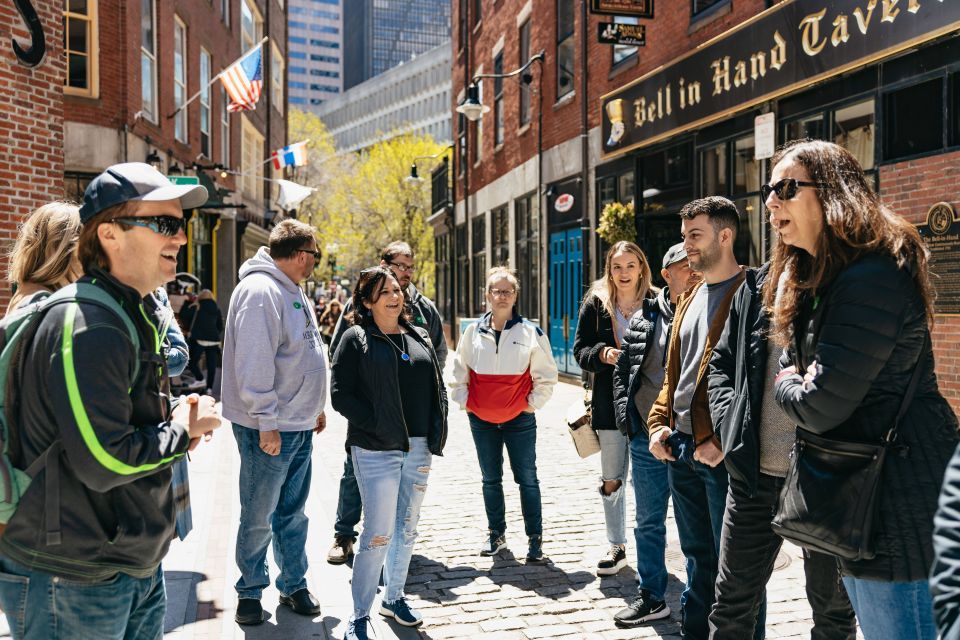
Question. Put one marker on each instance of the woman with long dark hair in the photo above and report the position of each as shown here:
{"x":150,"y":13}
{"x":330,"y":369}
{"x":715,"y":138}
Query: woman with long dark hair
{"x":388,"y":384}
{"x":853,"y":303}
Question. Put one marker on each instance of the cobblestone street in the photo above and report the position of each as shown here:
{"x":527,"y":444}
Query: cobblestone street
{"x":461,"y":594}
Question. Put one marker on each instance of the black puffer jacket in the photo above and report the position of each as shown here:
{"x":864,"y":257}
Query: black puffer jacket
{"x":203,"y":320}
{"x":627,"y":376}
{"x":594,"y":334}
{"x":872,"y":329}
{"x":738,"y":430}
{"x":365,"y":390}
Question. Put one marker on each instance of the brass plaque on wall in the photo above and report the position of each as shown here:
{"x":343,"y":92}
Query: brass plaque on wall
{"x":941,"y":233}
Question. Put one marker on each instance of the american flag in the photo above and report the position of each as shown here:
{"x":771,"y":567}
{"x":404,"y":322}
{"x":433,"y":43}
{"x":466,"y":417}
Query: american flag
{"x":243,"y":82}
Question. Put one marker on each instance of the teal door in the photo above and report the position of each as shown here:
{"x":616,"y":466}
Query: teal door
{"x":566,"y":292}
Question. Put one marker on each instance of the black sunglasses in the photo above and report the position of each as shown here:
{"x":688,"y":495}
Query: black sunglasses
{"x":164,"y":225}
{"x":316,"y":254}
{"x":786,"y":189}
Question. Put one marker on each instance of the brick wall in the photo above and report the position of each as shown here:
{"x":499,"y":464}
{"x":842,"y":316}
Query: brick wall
{"x":31,"y":123}
{"x":910,"y":188}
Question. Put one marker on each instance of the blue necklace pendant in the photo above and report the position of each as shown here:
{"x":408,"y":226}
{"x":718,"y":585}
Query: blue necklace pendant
{"x":405,"y":357}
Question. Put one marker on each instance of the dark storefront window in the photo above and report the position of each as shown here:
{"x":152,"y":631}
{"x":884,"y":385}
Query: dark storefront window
{"x":666,"y":184}
{"x":441,"y":252}
{"x":910,"y":114}
{"x":851,"y":125}
{"x":501,"y":237}
{"x":700,"y":7}
{"x":478,"y":263}
{"x":463,"y":270}
{"x":528,"y":256}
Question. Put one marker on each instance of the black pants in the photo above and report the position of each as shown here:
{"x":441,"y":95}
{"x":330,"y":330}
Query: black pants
{"x":748,"y":549}
{"x":213,"y":361}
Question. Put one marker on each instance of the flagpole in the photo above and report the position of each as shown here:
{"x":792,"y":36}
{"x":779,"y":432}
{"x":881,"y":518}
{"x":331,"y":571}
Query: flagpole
{"x":259,"y":45}
{"x":259,"y":177}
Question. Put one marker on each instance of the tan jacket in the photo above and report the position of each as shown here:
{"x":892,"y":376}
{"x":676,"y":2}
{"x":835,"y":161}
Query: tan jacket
{"x":661,"y":414}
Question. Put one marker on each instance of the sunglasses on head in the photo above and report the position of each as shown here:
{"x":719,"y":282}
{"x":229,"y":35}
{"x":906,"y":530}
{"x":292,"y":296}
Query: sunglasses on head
{"x":164,"y":225}
{"x":786,"y":189}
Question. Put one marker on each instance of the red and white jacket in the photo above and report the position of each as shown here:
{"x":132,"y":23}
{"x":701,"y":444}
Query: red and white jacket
{"x":497,"y":381}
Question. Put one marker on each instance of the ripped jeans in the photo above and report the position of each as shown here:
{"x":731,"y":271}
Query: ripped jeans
{"x":614,"y":462}
{"x":392,"y":485}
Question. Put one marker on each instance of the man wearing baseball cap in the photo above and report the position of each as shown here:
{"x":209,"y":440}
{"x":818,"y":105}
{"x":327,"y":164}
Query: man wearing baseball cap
{"x":81,"y":555}
{"x":637,"y":380}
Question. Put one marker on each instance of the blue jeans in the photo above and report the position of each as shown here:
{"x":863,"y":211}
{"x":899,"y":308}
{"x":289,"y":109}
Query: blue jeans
{"x":41,"y":607}
{"x":519,"y":436}
{"x":349,"y":504}
{"x":699,"y":498}
{"x":613,"y":466}
{"x":273,"y":492}
{"x":892,"y":609}
{"x":392,"y":485}
{"x":652,"y":492}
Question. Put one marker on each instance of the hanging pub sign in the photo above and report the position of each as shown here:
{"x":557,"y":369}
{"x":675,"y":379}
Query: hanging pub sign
{"x":788,"y":46}
{"x":634,"y":35}
{"x":637,"y":8}
{"x":941,"y":233}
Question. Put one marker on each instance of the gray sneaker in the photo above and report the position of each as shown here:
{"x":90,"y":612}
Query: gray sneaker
{"x":495,"y":542}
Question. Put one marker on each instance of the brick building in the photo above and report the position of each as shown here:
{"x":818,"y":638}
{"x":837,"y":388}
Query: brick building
{"x":131,"y":65}
{"x":675,"y":120}
{"x":31,"y":120}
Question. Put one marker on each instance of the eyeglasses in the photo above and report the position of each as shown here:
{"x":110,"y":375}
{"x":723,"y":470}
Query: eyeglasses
{"x":402,"y":268}
{"x":168,"y":226}
{"x":786,"y":189}
{"x":501,"y":293}
{"x":316,"y":254}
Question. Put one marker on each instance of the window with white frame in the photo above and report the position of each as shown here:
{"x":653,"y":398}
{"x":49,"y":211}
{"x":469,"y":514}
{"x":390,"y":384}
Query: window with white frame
{"x":224,"y":128}
{"x":276,"y":79}
{"x":251,"y":25}
{"x":148,"y":59}
{"x":80,"y":48}
{"x":251,"y":163}
{"x":180,"y":78}
{"x":205,"y":112}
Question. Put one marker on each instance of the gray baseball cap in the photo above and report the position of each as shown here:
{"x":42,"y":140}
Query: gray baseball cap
{"x":674,"y":254}
{"x":136,"y":181}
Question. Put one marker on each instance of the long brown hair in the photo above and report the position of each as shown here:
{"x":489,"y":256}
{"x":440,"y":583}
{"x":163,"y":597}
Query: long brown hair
{"x":855,"y":223}
{"x":604,"y":288}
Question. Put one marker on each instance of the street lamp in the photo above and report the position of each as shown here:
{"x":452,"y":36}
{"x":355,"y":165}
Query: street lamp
{"x":414,"y":177}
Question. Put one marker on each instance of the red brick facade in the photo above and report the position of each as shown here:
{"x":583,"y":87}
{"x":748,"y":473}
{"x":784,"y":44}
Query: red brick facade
{"x":31,"y":122}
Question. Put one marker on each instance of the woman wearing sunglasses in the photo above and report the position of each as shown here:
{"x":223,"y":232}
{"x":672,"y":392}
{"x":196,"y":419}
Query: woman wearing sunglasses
{"x":387,"y":383}
{"x":854,"y":307}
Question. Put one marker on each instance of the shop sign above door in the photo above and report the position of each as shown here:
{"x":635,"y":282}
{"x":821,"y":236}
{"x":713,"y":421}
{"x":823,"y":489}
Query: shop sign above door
{"x":791,"y":45}
{"x":637,"y":8}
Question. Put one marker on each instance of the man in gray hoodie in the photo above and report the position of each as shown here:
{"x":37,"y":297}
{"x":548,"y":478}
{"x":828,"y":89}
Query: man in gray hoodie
{"x":274,"y":391}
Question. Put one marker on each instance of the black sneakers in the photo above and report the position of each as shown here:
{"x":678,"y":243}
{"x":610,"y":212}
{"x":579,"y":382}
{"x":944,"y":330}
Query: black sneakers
{"x":495,"y":542}
{"x":615,"y":560}
{"x":249,"y":611}
{"x":642,"y":609}
{"x":535,"y":549}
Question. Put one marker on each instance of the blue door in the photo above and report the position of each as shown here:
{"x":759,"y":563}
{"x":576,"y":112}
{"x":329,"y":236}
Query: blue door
{"x":566,"y":291}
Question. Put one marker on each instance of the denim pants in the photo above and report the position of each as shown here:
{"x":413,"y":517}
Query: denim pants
{"x":613,"y":466}
{"x":40,"y":606}
{"x":392,"y":484}
{"x":273,"y":493}
{"x":892,"y":609}
{"x":652,"y":493}
{"x":349,"y":503}
{"x":519,"y":436}
{"x":699,"y":497}
{"x":748,"y":550}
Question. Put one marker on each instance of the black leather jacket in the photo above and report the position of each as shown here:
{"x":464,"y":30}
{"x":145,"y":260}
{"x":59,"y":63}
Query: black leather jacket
{"x":364,"y":389}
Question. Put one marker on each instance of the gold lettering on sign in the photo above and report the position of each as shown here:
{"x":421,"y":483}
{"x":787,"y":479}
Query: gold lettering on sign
{"x":693,"y":93}
{"x":913,"y":6}
{"x":864,"y":22}
{"x":890,"y":12}
{"x":721,"y":75}
{"x":639,"y":111}
{"x":840,"y":32}
{"x":778,"y":54}
{"x":758,"y":65}
{"x":740,"y":74}
{"x":810,"y":26}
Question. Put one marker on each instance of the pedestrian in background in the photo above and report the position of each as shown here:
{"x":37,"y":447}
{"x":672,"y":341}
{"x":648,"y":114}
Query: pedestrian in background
{"x":329,"y":319}
{"x":637,"y":380}
{"x":854,"y":306}
{"x":503,"y":372}
{"x":387,"y":382}
{"x":44,"y":256}
{"x":604,"y":316}
{"x":204,"y":322}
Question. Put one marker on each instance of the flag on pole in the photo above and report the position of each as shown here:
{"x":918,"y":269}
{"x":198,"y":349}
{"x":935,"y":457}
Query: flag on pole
{"x":294,"y":155}
{"x":291,"y":194}
{"x":243,"y":81}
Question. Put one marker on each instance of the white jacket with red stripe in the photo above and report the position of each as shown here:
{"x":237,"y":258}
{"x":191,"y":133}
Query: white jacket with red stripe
{"x":496,"y":381}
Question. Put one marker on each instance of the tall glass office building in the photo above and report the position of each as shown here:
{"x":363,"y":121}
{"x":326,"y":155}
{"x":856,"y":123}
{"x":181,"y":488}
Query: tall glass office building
{"x":380,"y":35}
{"x":315,"y":41}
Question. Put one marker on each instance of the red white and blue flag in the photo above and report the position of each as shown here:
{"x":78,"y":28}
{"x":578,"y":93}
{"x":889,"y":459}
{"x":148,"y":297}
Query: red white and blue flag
{"x":243,"y":81}
{"x":294,"y":155}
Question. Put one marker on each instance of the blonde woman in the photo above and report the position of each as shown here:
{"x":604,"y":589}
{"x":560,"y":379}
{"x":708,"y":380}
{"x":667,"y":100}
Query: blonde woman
{"x":44,"y":257}
{"x":503,"y":372}
{"x":604,"y":317}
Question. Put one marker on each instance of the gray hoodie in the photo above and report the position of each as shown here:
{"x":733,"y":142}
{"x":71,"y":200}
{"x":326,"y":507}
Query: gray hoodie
{"x":274,"y":370}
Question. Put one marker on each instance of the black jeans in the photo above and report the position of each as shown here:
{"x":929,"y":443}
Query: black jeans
{"x":349,"y":504}
{"x":213,"y":361}
{"x":748,"y":549}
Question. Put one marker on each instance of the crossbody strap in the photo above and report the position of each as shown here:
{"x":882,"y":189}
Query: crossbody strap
{"x":742,"y":348}
{"x":891,"y":435}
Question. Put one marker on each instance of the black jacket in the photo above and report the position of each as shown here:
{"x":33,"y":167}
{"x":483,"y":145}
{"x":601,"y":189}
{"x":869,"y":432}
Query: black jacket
{"x":735,"y":409}
{"x":945,"y":577}
{"x":116,"y":506}
{"x":627,"y":376}
{"x":203,"y":320}
{"x":365,"y":390}
{"x":866,"y":333}
{"x":594,"y":334}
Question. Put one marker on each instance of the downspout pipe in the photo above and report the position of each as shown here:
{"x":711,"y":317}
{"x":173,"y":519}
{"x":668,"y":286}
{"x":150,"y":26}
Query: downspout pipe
{"x":584,"y":152}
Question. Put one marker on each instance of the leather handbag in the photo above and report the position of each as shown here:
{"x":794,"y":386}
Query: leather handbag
{"x":585,"y":439}
{"x":829,"y":499}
